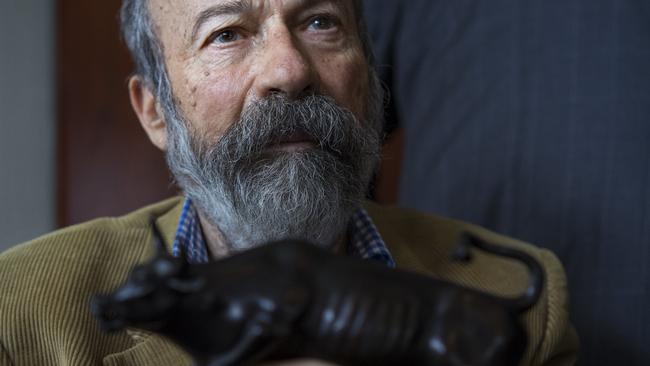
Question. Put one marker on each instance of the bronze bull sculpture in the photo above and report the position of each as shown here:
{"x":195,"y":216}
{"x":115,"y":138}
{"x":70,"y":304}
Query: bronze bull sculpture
{"x":291,"y":300}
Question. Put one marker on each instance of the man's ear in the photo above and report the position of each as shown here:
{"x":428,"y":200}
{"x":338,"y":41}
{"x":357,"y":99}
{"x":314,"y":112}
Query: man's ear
{"x":145,"y":105}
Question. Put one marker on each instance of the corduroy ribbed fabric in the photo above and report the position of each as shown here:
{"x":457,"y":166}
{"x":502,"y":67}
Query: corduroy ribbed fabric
{"x":46,"y":286}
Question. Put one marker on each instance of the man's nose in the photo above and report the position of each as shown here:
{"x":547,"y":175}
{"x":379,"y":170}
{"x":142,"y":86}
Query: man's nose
{"x":284,"y":67}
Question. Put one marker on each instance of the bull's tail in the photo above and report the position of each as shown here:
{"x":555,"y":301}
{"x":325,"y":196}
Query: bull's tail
{"x":535,"y":270}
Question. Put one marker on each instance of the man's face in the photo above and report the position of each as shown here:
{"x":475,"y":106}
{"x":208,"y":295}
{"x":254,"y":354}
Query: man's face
{"x":272,"y":130}
{"x":221,"y":55}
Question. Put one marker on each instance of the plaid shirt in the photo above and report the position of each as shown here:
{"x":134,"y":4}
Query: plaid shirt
{"x":365,"y":241}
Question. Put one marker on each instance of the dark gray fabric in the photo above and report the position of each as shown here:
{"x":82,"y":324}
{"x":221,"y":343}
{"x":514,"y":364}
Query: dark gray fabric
{"x":532,"y":117}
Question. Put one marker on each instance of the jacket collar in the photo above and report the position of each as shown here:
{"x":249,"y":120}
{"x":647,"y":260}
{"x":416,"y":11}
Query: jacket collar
{"x":167,"y":222}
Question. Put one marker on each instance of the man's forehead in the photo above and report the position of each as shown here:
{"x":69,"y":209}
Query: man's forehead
{"x":169,"y":14}
{"x":189,"y":10}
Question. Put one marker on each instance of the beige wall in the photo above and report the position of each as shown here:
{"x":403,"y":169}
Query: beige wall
{"x":27,"y":121}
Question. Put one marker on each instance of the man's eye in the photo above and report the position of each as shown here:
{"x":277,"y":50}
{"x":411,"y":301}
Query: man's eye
{"x":226,"y":36}
{"x":321,"y":23}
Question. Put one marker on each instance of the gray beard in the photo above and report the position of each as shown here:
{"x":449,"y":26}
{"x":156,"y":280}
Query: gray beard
{"x":254,"y":195}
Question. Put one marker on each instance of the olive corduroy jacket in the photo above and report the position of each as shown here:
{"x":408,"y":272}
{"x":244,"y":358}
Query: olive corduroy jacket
{"x":46,"y":286}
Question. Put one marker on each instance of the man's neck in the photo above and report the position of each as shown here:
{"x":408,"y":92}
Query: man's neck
{"x":214,"y":239}
{"x":218,"y":247}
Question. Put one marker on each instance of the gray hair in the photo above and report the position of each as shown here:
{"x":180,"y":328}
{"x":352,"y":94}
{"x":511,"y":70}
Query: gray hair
{"x":254,"y":196}
{"x":139,"y":34}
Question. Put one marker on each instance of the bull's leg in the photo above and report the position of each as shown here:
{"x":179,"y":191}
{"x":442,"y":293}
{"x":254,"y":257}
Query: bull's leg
{"x":258,"y":338}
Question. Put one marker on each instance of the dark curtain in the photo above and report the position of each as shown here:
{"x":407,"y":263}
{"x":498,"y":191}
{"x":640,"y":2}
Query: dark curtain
{"x":532,"y":118}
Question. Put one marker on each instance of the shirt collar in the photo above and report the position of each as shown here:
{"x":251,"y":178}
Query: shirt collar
{"x":365,"y":242}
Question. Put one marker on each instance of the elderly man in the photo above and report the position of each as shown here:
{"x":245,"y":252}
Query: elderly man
{"x":270,"y":117}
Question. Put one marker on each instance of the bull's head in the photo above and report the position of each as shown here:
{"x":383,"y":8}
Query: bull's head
{"x":150,"y":294}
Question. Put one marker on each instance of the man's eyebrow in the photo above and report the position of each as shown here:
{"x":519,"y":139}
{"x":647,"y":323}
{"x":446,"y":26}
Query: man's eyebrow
{"x":228,"y":8}
{"x":234,"y":7}
{"x":311,"y":3}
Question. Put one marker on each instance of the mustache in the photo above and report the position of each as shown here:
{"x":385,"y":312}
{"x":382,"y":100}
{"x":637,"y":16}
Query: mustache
{"x":275,"y":119}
